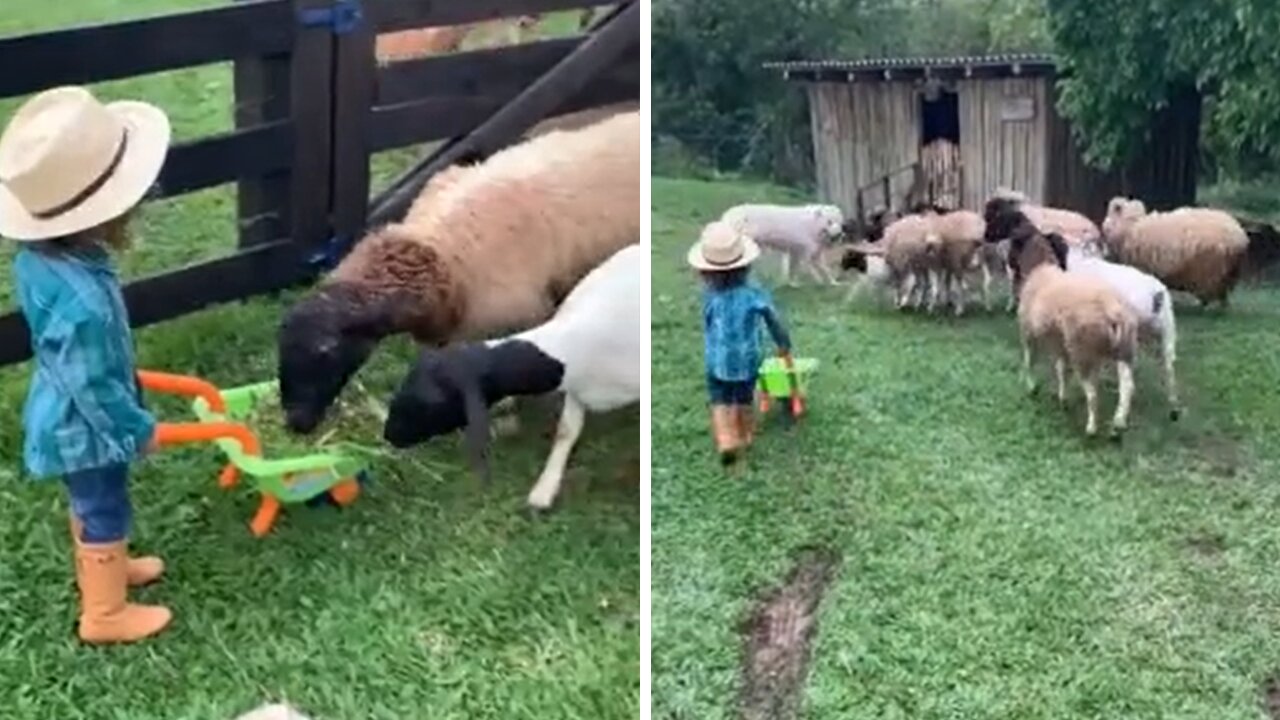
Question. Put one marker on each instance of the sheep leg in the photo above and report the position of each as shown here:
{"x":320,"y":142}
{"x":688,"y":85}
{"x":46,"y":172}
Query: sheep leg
{"x":811,"y":264}
{"x":960,"y":290}
{"x":905,"y":289}
{"x":986,"y":287}
{"x":1168,"y":353}
{"x":1028,"y":357}
{"x":787,"y":277}
{"x":548,"y":486}
{"x":1060,"y":369}
{"x":1125,"y":374}
{"x":820,"y":269}
{"x":935,"y":290}
{"x":1090,"y":385}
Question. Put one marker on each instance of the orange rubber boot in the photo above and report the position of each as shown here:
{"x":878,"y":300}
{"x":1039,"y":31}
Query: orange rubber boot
{"x":724,"y":428}
{"x":746,"y":419}
{"x":106,"y":616}
{"x":139,"y":571}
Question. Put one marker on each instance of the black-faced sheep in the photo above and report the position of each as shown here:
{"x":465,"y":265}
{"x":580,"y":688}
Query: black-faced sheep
{"x":1076,"y":319}
{"x":1075,"y":228}
{"x":1196,"y":250}
{"x":591,"y":350}
{"x":485,"y":250}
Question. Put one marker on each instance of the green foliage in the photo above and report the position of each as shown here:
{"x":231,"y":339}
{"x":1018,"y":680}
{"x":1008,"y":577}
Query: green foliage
{"x":711,"y":93}
{"x":1127,"y":57}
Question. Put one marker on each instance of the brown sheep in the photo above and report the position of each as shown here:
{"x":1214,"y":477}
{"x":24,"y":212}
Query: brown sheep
{"x":1197,"y":250}
{"x":486,"y":250}
{"x":1076,"y":319}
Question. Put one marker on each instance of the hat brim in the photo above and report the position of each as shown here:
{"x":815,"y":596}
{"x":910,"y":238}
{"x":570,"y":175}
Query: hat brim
{"x":750,"y":251}
{"x":149,"y":135}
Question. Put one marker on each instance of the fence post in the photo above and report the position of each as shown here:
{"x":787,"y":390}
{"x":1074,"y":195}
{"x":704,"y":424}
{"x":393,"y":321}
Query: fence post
{"x":311,"y":90}
{"x":354,"y":87}
{"x":262,"y":96}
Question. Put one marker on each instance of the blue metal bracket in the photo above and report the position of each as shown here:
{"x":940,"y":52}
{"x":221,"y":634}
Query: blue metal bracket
{"x":341,"y":18}
{"x":328,"y":256}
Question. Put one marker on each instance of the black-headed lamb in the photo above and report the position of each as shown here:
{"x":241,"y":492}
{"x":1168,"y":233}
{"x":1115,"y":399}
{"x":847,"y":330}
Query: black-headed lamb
{"x":485,"y":250}
{"x":1075,"y":318}
{"x":590,"y":350}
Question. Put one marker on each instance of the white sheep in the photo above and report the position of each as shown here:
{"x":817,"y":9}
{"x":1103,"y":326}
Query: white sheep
{"x":591,"y":350}
{"x":1196,"y":250}
{"x":798,"y":233}
{"x":1076,"y":319}
{"x":1151,"y":303}
{"x":485,"y":250}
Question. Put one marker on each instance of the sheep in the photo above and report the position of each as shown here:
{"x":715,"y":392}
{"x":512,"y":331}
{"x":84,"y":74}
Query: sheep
{"x":1075,"y":228}
{"x":487,"y":249}
{"x":960,"y":234}
{"x":1151,"y":303}
{"x":910,"y":252}
{"x":1197,"y":250}
{"x":1076,"y":318}
{"x":590,"y":350}
{"x":798,"y":233}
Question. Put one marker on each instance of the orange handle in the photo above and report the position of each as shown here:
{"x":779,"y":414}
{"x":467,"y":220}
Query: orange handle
{"x":797,"y":402}
{"x":178,"y":433}
{"x":183,"y":385}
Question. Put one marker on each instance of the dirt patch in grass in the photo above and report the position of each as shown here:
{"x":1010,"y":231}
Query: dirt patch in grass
{"x":1271,"y":696}
{"x":777,"y":637}
{"x":1206,"y":545}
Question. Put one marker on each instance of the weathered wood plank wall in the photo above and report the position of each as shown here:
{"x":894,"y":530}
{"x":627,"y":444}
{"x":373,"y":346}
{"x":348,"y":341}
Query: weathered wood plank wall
{"x":861,"y":132}
{"x":999,"y":146}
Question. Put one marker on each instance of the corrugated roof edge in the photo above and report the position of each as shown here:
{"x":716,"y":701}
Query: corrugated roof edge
{"x":917,"y":63}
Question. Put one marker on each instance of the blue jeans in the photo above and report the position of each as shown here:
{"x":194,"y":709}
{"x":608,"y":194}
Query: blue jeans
{"x":100,"y":501}
{"x":731,"y":392}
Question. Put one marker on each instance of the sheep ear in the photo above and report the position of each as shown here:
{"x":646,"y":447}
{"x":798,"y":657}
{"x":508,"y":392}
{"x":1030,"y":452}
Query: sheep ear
{"x":477,"y":432}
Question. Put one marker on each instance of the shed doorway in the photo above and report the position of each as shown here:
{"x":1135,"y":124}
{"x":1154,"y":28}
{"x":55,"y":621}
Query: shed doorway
{"x":940,"y":147}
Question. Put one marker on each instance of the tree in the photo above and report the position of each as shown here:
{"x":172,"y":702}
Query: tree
{"x":1124,"y":59}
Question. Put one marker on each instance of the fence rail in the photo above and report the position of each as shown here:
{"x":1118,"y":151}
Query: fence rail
{"x":311,"y":107}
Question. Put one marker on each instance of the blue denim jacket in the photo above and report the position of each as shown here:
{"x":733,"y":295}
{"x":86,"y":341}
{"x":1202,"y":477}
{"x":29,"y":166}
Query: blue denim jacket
{"x":83,"y":409}
{"x":731,"y":321}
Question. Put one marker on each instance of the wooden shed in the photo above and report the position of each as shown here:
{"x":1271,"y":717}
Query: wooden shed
{"x":892,"y":132}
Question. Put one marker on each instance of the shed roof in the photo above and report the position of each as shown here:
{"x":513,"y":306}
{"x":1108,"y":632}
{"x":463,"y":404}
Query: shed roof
{"x":906,"y":68}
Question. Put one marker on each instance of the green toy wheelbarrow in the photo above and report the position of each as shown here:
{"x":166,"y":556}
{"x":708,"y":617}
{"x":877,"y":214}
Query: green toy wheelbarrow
{"x":281,"y":480}
{"x":784,"y":378}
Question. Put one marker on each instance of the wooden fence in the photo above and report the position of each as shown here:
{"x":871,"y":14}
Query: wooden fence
{"x":312,"y":107}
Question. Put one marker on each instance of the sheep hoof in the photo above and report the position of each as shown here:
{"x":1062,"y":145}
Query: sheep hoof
{"x":540,"y":501}
{"x":1117,"y":433}
{"x":1174,"y":414}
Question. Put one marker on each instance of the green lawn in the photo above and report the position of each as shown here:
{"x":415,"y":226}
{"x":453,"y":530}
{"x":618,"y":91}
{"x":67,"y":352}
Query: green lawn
{"x":996,"y":564}
{"x":430,"y":597}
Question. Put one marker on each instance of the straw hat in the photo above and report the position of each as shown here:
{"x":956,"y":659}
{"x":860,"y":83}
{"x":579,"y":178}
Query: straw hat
{"x":69,"y":163}
{"x":721,"y":247}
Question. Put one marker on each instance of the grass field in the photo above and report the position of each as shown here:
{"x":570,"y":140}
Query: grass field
{"x":430,"y":597}
{"x":995,"y":563}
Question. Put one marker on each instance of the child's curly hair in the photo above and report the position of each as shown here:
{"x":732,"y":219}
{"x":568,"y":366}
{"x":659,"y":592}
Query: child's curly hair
{"x":725,"y":279}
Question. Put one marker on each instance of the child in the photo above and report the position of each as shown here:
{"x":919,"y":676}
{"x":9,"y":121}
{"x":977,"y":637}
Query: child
{"x":71,"y":170}
{"x":731,"y":308}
